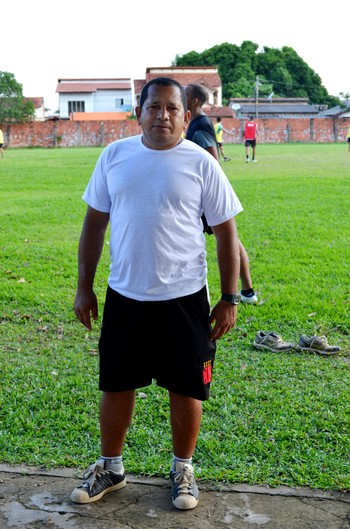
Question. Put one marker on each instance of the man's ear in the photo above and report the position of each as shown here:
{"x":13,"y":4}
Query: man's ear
{"x":187,"y":117}
{"x":138,"y":113}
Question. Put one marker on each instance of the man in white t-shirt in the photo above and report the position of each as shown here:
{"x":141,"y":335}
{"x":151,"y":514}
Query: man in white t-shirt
{"x":153,"y":189}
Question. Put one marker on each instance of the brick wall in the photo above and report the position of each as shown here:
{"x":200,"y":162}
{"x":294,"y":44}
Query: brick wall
{"x":64,"y":133}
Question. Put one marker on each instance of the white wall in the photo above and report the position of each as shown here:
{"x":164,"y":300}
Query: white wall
{"x":99,"y":101}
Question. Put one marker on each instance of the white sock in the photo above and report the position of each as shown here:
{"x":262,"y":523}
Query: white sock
{"x":113,"y":463}
{"x":180,"y":460}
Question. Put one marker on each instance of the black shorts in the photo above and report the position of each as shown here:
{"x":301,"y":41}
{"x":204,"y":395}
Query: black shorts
{"x":166,"y":341}
{"x":250,"y":143}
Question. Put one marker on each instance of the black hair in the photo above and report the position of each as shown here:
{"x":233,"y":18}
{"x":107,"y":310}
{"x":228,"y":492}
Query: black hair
{"x":198,"y":92}
{"x":163,"y":81}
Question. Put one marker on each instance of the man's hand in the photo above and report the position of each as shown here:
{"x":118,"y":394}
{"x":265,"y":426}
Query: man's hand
{"x":85,"y":307}
{"x":224,"y":315}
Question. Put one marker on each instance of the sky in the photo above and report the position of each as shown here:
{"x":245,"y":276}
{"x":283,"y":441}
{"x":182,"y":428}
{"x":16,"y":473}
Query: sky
{"x":42,"y":41}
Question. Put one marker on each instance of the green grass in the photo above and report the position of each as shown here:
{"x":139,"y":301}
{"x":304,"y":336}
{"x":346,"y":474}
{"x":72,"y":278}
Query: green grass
{"x":276,"y":419}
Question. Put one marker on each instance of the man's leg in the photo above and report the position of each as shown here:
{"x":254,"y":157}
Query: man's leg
{"x":244,"y":271}
{"x":108,"y":474}
{"x":247,"y":291}
{"x":185,"y":417}
{"x":247,"y":153}
{"x":116,"y":411}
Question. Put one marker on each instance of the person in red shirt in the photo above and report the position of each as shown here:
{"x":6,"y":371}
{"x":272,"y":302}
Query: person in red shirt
{"x":250,"y":132}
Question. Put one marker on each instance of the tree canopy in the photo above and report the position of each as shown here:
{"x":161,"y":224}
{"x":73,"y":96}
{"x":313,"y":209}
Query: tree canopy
{"x":14,"y":108}
{"x":280,"y":71}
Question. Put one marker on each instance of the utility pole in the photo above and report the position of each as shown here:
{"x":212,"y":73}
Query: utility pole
{"x":256,"y":96}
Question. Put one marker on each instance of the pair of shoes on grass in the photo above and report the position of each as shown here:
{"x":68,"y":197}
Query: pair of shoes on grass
{"x":99,"y":480}
{"x":313,"y":344}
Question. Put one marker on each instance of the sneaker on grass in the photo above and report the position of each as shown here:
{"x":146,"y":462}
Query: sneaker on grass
{"x":185,"y":493}
{"x":316,"y":344}
{"x":251,"y":299}
{"x":97,"y":482}
{"x":271,"y":341}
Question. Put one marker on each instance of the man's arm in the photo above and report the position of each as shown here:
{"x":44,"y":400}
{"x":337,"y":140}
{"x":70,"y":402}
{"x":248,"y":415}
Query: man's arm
{"x":228,"y":132}
{"x":214,"y":152}
{"x":89,"y":253}
{"x":207,"y":142}
{"x":227,"y":248}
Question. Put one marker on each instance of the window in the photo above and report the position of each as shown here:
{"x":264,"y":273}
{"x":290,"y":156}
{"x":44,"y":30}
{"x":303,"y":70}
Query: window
{"x":76,"y":106}
{"x":119,"y":102}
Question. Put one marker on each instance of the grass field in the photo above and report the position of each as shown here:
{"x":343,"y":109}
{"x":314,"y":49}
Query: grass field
{"x":272,"y":418}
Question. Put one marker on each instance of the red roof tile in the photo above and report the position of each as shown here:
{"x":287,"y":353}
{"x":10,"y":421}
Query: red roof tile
{"x":77,"y":85}
{"x":37,"y":101}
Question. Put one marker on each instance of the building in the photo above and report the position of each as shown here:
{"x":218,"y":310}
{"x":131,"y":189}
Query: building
{"x":283,"y":107}
{"x":100,"y":98}
{"x":39,"y":109}
{"x":207,"y":76}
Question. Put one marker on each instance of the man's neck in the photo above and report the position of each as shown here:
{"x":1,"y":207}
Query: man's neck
{"x":196,"y":112}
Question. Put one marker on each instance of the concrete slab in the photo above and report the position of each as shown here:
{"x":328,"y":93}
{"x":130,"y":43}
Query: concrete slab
{"x":32,"y":498}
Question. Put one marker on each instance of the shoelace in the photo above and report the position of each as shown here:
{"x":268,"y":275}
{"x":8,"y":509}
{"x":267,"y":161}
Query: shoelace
{"x":91,"y":474}
{"x":273,"y":337}
{"x":184,"y":479}
{"x":319,"y":341}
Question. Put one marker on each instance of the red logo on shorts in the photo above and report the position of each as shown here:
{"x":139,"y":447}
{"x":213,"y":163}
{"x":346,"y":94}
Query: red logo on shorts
{"x":207,"y":372}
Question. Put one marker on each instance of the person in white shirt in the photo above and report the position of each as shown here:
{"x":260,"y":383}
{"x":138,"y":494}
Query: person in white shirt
{"x":157,"y":324}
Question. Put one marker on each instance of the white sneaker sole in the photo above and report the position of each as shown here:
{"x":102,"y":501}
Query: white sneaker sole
{"x":81,"y":496}
{"x":263,"y":346}
{"x":318,"y":351}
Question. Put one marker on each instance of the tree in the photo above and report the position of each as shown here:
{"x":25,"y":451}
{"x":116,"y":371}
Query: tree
{"x":281,"y":71}
{"x":13,"y":107}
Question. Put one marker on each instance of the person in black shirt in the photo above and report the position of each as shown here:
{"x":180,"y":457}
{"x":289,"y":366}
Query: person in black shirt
{"x":201,"y":131}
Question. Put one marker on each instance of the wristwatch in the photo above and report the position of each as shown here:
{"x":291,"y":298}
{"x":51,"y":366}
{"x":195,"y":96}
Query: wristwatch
{"x":234,"y":299}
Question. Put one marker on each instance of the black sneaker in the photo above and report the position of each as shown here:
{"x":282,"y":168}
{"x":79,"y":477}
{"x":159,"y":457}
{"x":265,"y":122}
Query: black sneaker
{"x":184,"y":489}
{"x":97,"y":482}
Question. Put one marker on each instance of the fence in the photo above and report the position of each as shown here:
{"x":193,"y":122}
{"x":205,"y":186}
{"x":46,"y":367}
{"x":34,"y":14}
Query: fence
{"x":66,"y":133}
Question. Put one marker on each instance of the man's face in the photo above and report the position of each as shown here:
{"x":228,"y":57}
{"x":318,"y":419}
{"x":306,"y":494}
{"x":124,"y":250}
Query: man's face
{"x":162,"y":117}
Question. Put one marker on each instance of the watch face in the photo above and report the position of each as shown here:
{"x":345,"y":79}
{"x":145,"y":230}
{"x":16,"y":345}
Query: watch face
{"x":237,"y":299}
{"x":234,"y":299}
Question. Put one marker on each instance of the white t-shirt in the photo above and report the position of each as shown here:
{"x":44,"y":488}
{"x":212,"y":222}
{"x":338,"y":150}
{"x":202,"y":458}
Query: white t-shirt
{"x":155,"y":199}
